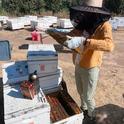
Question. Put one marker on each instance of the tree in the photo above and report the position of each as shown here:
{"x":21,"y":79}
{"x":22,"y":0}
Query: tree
{"x":115,"y":6}
{"x":23,"y":6}
{"x":53,"y":5}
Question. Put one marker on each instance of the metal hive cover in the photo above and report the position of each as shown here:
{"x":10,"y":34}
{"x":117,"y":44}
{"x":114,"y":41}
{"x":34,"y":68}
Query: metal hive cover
{"x":5,"y":50}
{"x":42,"y":50}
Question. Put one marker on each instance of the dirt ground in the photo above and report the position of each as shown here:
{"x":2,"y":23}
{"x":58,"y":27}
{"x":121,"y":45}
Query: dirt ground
{"x":110,"y":91}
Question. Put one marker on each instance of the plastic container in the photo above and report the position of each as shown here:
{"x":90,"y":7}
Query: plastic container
{"x":36,"y":36}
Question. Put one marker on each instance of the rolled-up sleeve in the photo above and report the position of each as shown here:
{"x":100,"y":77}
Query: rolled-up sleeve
{"x":105,"y":43}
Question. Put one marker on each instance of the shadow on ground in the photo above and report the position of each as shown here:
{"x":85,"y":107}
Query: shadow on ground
{"x":114,"y":112}
{"x":29,"y":29}
{"x":23,"y":46}
{"x":29,"y":38}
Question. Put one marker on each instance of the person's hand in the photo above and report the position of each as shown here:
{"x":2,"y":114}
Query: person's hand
{"x":74,"y":42}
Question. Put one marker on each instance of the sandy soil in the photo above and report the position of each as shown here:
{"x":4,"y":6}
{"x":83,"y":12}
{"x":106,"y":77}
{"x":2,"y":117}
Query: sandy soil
{"x":110,"y":91}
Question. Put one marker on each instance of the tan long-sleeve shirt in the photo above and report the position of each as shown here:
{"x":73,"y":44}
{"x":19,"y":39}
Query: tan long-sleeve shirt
{"x":99,"y":42}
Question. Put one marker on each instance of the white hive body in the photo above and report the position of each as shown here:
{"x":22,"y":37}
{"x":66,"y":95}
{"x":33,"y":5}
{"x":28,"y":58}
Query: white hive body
{"x":64,"y":23}
{"x":43,"y":59}
{"x":20,"y":110}
{"x":43,"y":23}
{"x":4,"y":19}
{"x":17,"y":109}
{"x":14,"y":24}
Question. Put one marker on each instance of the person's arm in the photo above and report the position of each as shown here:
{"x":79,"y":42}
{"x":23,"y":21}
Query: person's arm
{"x":105,"y":44}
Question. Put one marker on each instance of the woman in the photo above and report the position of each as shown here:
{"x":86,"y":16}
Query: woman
{"x":92,"y":35}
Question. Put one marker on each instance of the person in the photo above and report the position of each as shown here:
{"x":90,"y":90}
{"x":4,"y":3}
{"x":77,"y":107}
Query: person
{"x":91,"y":37}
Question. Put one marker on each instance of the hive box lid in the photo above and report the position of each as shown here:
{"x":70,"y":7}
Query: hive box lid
{"x":5,"y":50}
{"x":15,"y":105}
{"x":44,"y":51}
{"x":14,"y":72}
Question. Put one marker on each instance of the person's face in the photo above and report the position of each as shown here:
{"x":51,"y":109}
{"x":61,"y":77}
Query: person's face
{"x":83,"y":20}
{"x":89,"y":20}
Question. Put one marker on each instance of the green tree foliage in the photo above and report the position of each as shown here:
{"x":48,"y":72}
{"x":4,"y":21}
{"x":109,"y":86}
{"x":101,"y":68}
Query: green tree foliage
{"x":36,"y":6}
{"x":53,"y":5}
{"x":23,"y":6}
{"x":75,"y":2}
{"x":115,"y":6}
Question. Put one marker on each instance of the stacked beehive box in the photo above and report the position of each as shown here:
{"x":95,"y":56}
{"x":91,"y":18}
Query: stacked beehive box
{"x":64,"y":23}
{"x":14,"y":24}
{"x":60,"y":108}
{"x":4,"y":19}
{"x":17,"y":109}
{"x":43,"y":58}
{"x":43,"y":23}
{"x":28,"y":18}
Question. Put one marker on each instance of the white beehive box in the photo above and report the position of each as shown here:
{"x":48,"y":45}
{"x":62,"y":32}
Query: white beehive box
{"x":24,"y":20}
{"x":17,"y":109}
{"x":15,"y":72}
{"x":43,"y":23}
{"x":31,"y":17}
{"x":4,"y":19}
{"x":51,"y":19}
{"x":117,"y":22}
{"x":42,"y":58}
{"x":42,"y":66}
{"x":114,"y":24}
{"x":75,"y":119}
{"x":14,"y":24}
{"x":64,"y":23}
{"x":51,"y":81}
{"x":34,"y":24}
{"x":120,"y":21}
